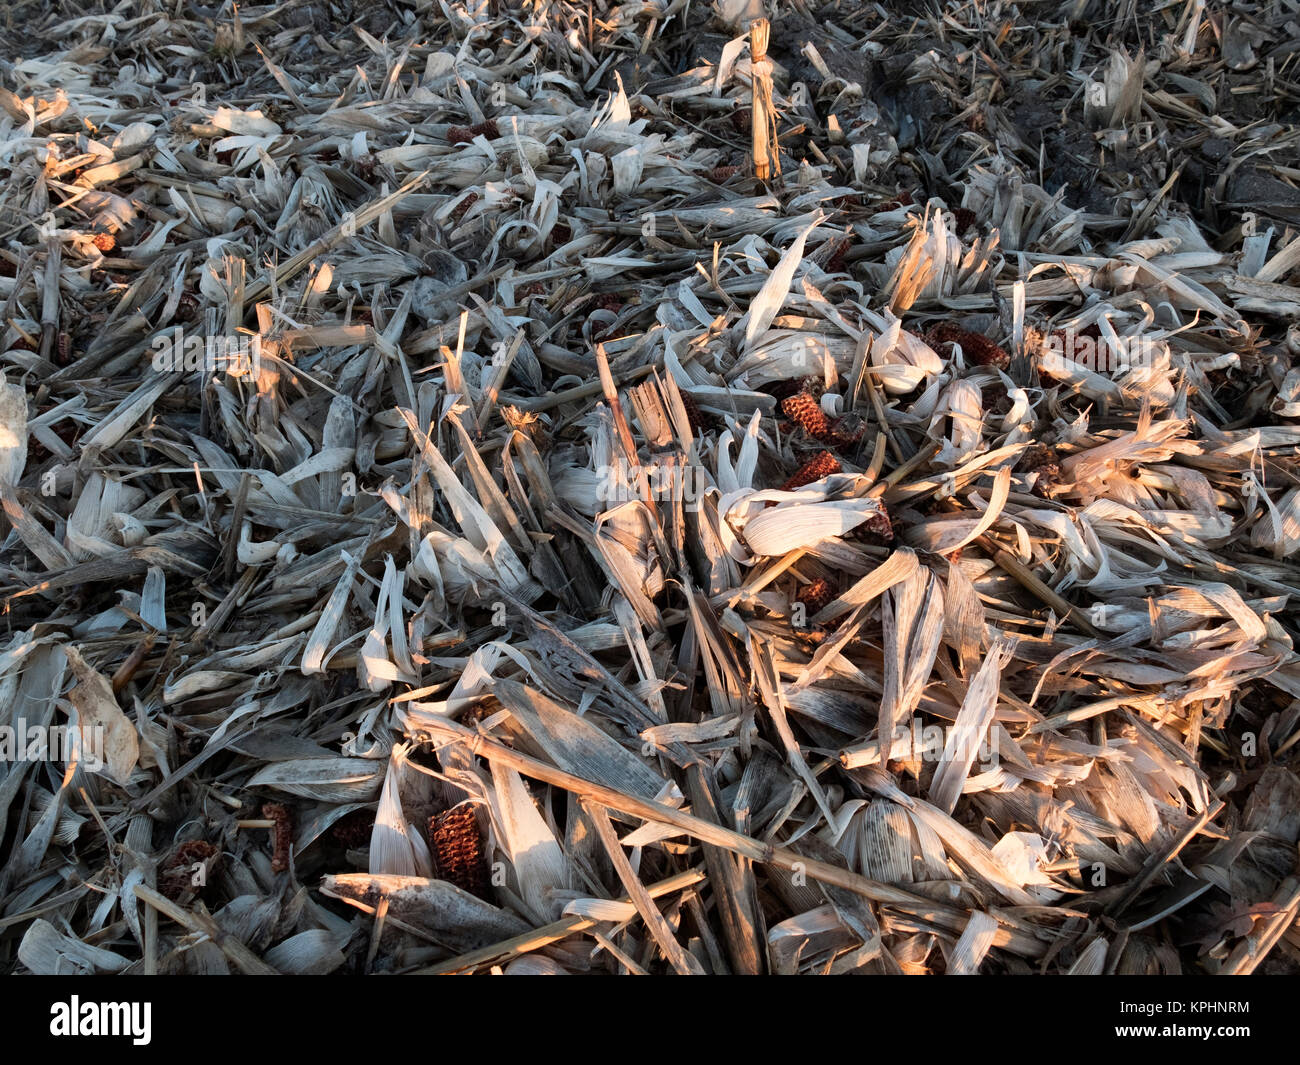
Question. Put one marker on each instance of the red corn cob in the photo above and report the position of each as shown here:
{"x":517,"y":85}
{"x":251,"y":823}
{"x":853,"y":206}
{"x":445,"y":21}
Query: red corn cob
{"x":693,"y":413}
{"x":465,"y":134}
{"x":879,"y":525}
{"x":177,"y":873}
{"x":849,"y":429}
{"x":903,"y":199}
{"x":457,"y":848}
{"x":1061,"y":341}
{"x":815,"y":595}
{"x":1042,"y":460}
{"x":802,"y":409}
{"x":835,"y":263}
{"x":281,"y":835}
{"x":458,"y":212}
{"x":722,"y":174}
{"x":977,"y":348}
{"x":353,"y":830}
{"x":823,"y":464}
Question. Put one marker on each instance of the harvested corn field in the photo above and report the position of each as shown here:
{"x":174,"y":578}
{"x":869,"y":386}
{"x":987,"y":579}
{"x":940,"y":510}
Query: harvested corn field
{"x":649,"y":487}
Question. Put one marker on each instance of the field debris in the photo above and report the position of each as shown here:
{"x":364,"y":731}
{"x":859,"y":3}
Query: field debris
{"x":658,"y":487}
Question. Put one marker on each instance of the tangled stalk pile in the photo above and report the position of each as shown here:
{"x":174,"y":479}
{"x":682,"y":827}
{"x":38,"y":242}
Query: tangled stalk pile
{"x":471,"y":525}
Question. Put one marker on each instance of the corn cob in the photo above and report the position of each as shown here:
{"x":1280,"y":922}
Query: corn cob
{"x":823,"y":464}
{"x":802,"y":409}
{"x":977,"y":348}
{"x":465,"y":134}
{"x":815,"y":595}
{"x":457,"y":848}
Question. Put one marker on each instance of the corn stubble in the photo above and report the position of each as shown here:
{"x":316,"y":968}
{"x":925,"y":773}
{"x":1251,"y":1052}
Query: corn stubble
{"x":669,"y":524}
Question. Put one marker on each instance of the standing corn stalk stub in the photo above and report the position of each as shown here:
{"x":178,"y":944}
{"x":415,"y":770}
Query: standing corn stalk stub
{"x":767,"y":153}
